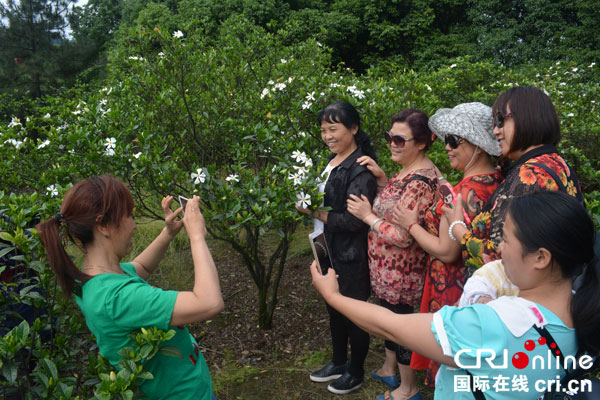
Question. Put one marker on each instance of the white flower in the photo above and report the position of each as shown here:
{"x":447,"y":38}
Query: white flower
{"x":591,"y":65}
{"x":452,"y":66}
{"x":103,"y":102}
{"x":16,"y":143}
{"x":52,"y":190}
{"x":301,"y":170}
{"x":310,"y":96}
{"x":299,"y":156}
{"x":136,"y":58}
{"x":303,"y":200}
{"x":290,"y":79}
{"x":137,"y":155}
{"x":199,"y":176}
{"x":319,"y":44}
{"x":14,"y":122}
{"x":280,"y":86}
{"x":574,"y":69}
{"x":161,"y":54}
{"x":47,"y":116}
{"x":264,"y":93}
{"x":428,"y":87}
{"x":76,"y":112}
{"x":360,"y":94}
{"x":306,"y":105}
{"x":271,"y":82}
{"x":570,"y":115}
{"x":351,"y":88}
{"x":43,"y":144}
{"x":297,"y":178}
{"x":178,"y":34}
{"x":110,"y":143}
{"x":334,"y":85}
{"x":308,"y":163}
{"x":109,"y":151}
{"x":283,"y":60}
{"x":302,"y":134}
{"x":233,"y":177}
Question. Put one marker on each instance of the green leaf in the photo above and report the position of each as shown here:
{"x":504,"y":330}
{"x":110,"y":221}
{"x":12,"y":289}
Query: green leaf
{"x":170,"y":351}
{"x":50,"y":367}
{"x":6,"y":250}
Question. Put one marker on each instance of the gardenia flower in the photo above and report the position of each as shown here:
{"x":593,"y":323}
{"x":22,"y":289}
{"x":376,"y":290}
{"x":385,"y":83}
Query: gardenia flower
{"x":178,"y":34}
{"x":137,"y":155}
{"x":264,"y":93}
{"x":296,"y":178}
{"x":303,"y":200}
{"x":43,"y":144}
{"x":233,"y":177}
{"x":47,"y":116}
{"x":280,"y":86}
{"x":52,"y":190}
{"x":199,"y":176}
{"x":283,"y":60}
{"x":306,"y":105}
{"x":110,"y":143}
{"x":14,"y":142}
{"x":310,"y":96}
{"x":14,"y":122}
{"x":308,"y":163}
{"x":136,"y":58}
{"x":299,"y":156}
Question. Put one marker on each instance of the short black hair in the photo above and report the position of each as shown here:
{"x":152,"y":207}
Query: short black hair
{"x":534,"y":115}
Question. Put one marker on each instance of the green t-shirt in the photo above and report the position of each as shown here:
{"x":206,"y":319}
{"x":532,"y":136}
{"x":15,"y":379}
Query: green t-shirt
{"x":115,"y":305}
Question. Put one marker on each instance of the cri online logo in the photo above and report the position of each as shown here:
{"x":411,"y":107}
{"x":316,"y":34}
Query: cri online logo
{"x":520,"y":360}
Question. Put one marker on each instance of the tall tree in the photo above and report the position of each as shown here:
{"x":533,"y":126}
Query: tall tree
{"x":32,"y":35}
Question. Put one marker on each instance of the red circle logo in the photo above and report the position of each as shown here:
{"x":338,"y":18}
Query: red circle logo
{"x":520,"y":360}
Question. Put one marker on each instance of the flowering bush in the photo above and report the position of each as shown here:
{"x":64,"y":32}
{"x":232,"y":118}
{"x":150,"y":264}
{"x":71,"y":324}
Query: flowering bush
{"x":234,"y":122}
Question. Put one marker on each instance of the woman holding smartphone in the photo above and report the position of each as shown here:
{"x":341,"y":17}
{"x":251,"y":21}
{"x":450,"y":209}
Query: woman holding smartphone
{"x":116,"y":300}
{"x":542,"y":252}
{"x":346,"y":237}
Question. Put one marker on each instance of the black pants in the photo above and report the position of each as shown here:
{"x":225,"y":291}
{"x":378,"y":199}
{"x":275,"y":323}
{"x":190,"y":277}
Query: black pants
{"x":342,"y":330}
{"x":403,"y":355}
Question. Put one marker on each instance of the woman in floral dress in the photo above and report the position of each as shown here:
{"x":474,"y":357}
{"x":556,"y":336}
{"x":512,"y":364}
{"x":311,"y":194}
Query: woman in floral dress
{"x":527,"y":128}
{"x":467,"y":131}
{"x":397,"y":263}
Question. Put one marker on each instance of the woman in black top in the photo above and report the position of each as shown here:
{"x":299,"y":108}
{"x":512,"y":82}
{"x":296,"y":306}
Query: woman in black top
{"x":346,"y":238}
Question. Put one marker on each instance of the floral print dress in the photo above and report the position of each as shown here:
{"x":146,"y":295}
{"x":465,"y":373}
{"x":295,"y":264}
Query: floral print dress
{"x":479,"y":244}
{"x":444,"y":282}
{"x":396,"y":261}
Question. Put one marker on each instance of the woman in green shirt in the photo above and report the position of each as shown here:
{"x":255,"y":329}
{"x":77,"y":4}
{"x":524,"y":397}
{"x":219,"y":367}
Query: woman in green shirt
{"x":96,"y":215}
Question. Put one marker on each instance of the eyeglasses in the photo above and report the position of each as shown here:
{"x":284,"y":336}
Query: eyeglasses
{"x":453,"y":141}
{"x":499,"y":120}
{"x":398,"y":140}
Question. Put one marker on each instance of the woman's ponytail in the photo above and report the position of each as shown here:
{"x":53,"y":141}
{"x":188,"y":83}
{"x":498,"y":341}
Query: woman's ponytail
{"x":67,"y":274}
{"x":363,"y":141}
{"x":102,"y":200}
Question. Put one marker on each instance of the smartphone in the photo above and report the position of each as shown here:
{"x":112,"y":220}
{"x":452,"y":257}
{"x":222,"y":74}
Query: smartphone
{"x":320,"y":251}
{"x":447,"y":195}
{"x":183,"y":201}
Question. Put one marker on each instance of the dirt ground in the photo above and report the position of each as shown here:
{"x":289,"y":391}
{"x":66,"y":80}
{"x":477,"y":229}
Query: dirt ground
{"x":247,"y":362}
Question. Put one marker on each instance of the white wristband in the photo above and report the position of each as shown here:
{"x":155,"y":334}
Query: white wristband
{"x":374,"y":222}
{"x":452,"y":226}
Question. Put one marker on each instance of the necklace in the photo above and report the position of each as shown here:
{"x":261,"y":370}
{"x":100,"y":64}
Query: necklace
{"x":101,"y":268}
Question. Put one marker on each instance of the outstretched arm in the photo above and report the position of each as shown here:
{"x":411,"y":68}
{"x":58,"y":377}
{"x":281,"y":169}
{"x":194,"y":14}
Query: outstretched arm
{"x":147,"y":261}
{"x":410,"y":330}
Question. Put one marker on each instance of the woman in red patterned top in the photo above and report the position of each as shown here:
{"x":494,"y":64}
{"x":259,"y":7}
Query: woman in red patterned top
{"x":467,"y":131}
{"x":396,"y":262}
{"x":527,"y":128}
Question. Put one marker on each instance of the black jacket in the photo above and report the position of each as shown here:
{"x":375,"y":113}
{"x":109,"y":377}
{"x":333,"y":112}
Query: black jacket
{"x":345,"y":234}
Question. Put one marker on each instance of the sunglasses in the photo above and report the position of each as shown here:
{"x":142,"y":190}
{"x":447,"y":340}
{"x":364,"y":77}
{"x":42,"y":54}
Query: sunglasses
{"x":499,"y":120}
{"x":453,"y":141}
{"x":398,"y":140}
